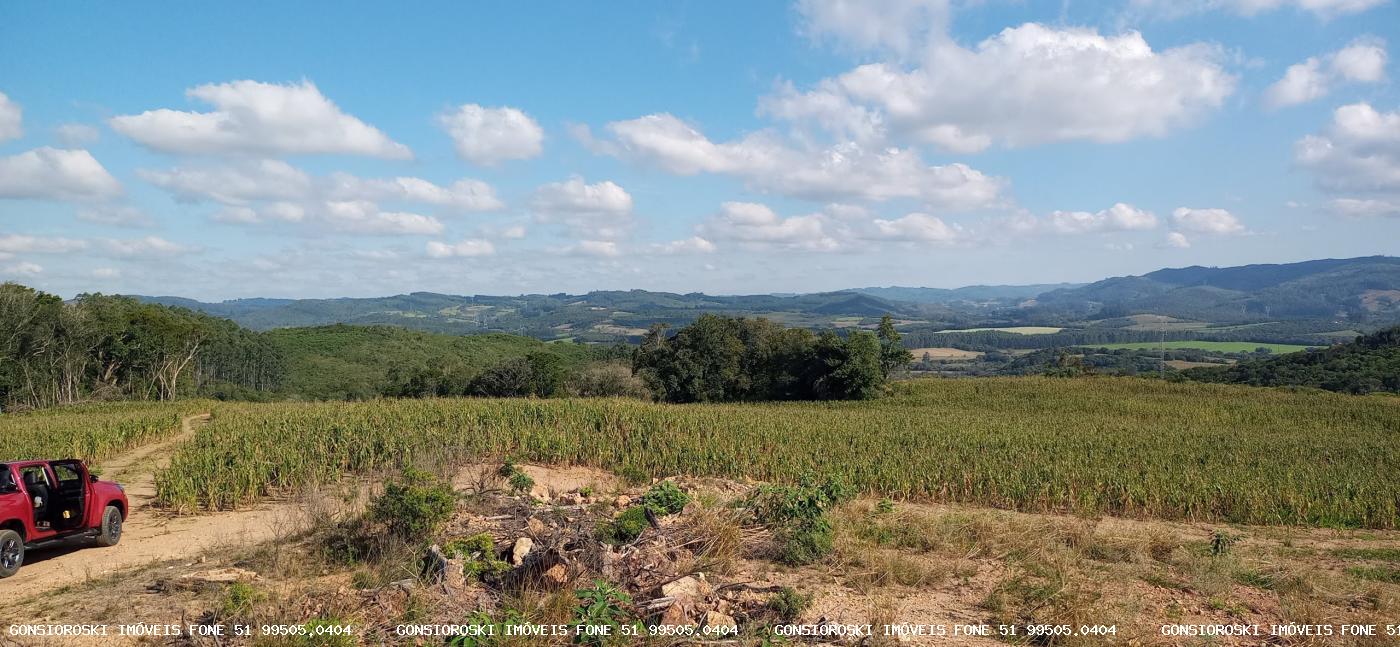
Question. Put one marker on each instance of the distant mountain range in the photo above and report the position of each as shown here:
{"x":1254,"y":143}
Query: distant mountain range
{"x":971,"y":293}
{"x":1358,"y":290}
{"x":1362,"y":290}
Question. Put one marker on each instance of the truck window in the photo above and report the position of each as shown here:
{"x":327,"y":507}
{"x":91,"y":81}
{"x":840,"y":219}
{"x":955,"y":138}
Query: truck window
{"x":66,"y":473}
{"x":7,"y":478}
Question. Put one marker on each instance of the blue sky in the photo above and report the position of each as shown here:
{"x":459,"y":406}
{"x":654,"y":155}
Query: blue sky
{"x":313,"y":150}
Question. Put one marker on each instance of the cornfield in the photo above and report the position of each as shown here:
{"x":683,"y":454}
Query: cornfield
{"x":1127,"y":447}
{"x":91,"y":432}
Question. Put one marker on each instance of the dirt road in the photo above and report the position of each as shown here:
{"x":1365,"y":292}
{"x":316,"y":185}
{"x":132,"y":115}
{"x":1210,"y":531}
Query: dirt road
{"x":150,"y":535}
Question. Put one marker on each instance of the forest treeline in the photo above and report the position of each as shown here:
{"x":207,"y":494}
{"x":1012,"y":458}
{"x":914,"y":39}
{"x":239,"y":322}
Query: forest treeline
{"x":1369,"y":364}
{"x":725,"y":359}
{"x":101,"y":347}
{"x":54,"y":352}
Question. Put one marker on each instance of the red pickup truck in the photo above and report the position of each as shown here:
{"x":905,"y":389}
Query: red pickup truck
{"x":43,"y":502}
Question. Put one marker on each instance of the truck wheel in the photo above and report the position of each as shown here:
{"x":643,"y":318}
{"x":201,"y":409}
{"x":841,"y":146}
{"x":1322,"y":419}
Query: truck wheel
{"x":111,"y":527}
{"x":11,"y":552}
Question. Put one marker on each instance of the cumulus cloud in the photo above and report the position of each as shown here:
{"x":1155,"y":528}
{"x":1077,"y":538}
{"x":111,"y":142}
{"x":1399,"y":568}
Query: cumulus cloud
{"x":897,"y":26}
{"x":466,"y":248}
{"x":24,"y":268}
{"x":75,"y":135}
{"x":488,"y":136}
{"x":253,"y":181}
{"x":1365,"y":208}
{"x":1176,"y":240}
{"x":364,"y":217}
{"x":233,"y":184}
{"x":1218,"y":222}
{"x":11,"y":119}
{"x":1358,"y":153}
{"x":1119,"y":217}
{"x":149,"y":246}
{"x":602,"y":209}
{"x":600,"y":248}
{"x":1026,"y":85}
{"x":21,"y":244}
{"x":56,"y":174}
{"x":920,"y":228}
{"x":345,"y":216}
{"x":692,"y":245}
{"x":463,"y":195}
{"x":253,"y":118}
{"x":116,"y":216}
{"x":756,"y":225}
{"x":766,"y":163}
{"x":1363,"y":61}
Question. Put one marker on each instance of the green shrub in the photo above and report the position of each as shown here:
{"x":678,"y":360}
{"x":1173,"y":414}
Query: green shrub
{"x":797,"y":513}
{"x":805,"y":542}
{"x":665,"y":498}
{"x":626,"y":528}
{"x":239,"y":599}
{"x":414,"y":507}
{"x":520,"y":482}
{"x":479,"y":555}
{"x":603,"y":605}
{"x":787,"y":604}
{"x":809,"y":499}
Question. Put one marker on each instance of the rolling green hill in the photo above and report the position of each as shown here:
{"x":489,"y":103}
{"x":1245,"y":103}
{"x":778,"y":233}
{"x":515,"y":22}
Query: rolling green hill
{"x":1370,"y":363}
{"x":343,"y":362}
{"x":1354,"y":290}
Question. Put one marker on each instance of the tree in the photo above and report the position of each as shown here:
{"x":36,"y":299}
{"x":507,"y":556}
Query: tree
{"x":719,"y":359}
{"x":893,"y":355}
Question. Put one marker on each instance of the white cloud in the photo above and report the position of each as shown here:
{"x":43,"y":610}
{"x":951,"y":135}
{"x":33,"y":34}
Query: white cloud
{"x":1119,"y":217}
{"x":1365,"y":208}
{"x":487,"y":136}
{"x":463,"y":195}
{"x":256,"y":118}
{"x":899,"y":26}
{"x":1359,"y":152}
{"x":269,"y":212}
{"x":364,"y":217}
{"x":1176,"y":240}
{"x":601,"y":210}
{"x":844,"y":171}
{"x":513,"y":232}
{"x":57,"y":174}
{"x":248,"y":182}
{"x":106,"y":273}
{"x":24,"y":268}
{"x":235,"y":184}
{"x":148,"y":246}
{"x":1218,"y":222}
{"x":918,"y":227}
{"x":1321,"y":8}
{"x":11,"y":119}
{"x":756,"y":225}
{"x":116,"y":216}
{"x":1026,"y":85}
{"x":75,"y":135}
{"x":601,"y":248}
{"x":466,"y":248}
{"x":22,"y":244}
{"x":692,"y":245}
{"x":1363,"y":61}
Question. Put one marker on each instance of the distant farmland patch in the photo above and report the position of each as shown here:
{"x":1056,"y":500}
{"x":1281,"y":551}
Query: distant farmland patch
{"x":1219,"y":346}
{"x":1020,"y":330}
{"x":944,"y":354}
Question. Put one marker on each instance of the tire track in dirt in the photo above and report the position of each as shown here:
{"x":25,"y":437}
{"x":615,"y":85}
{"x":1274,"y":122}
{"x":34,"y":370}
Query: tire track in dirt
{"x":150,"y":535}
